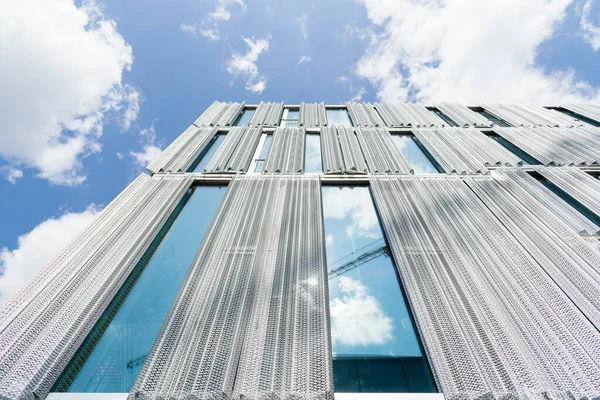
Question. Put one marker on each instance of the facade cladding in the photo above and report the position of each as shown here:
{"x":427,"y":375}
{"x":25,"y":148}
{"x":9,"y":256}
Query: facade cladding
{"x":293,"y":252}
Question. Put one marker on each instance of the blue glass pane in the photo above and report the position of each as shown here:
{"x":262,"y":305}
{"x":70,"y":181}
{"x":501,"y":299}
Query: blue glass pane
{"x":293,"y":115}
{"x":338,"y":117}
{"x":312,"y":156}
{"x":416,"y":158}
{"x":375,"y":347}
{"x":293,"y":123}
{"x":208,"y":152}
{"x":244,"y":118}
{"x":266,"y":146}
{"x":259,"y":166}
{"x":112,"y":355}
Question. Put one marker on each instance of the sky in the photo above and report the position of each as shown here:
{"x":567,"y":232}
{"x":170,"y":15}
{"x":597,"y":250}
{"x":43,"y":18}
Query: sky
{"x":92,"y":91}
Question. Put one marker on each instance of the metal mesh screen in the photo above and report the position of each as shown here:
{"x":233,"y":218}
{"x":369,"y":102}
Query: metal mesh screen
{"x":364,"y":114}
{"x":462,"y":115}
{"x":220,"y":114}
{"x":286,"y":155}
{"x":403,"y":115}
{"x":589,"y":110}
{"x":267,"y":114}
{"x":312,"y":115}
{"x":577,"y":184}
{"x":42,"y":326}
{"x":380,"y":152}
{"x":183,"y":151}
{"x":236,"y":151}
{"x":530,"y":115}
{"x":494,"y":322}
{"x":251,"y":318}
{"x":341,"y":151}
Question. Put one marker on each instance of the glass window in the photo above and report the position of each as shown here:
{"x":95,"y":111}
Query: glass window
{"x":419,"y":161}
{"x":575,"y":115}
{"x":375,"y":347}
{"x":291,"y":119}
{"x":207,"y":153}
{"x":261,"y":155}
{"x":244,"y":118}
{"x":443,"y":116}
{"x":112,"y":355}
{"x":338,"y":117}
{"x":496,"y":120}
{"x":525,"y":157}
{"x":312,"y":155}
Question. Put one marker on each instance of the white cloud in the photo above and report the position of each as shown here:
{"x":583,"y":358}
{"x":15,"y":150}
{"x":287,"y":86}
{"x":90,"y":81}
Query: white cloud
{"x":36,"y":248}
{"x":244,"y":65}
{"x":343,"y":203}
{"x":466,"y":51}
{"x":329,"y":239}
{"x":62,"y":70}
{"x":304,"y":59}
{"x":209,"y":26}
{"x":301,"y":21}
{"x":189,"y":29}
{"x":591,"y":31}
{"x":150,"y":149}
{"x":357,"y":319}
{"x":11,"y":174}
{"x":357,"y":93}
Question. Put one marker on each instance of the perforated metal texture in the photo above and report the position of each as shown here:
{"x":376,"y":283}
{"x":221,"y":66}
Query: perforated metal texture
{"x":43,"y":324}
{"x":341,"y":151}
{"x":577,"y":184}
{"x":381,"y":155}
{"x":462,"y":115}
{"x":251,"y":317}
{"x":286,"y":155}
{"x":556,"y":146}
{"x":403,"y":115}
{"x":523,"y":186}
{"x":235,"y":153}
{"x":364,"y":114}
{"x":312,"y":115}
{"x":528,"y":115}
{"x":589,"y":110}
{"x":267,"y":114}
{"x":220,"y":114}
{"x":183,"y":151}
{"x":493,"y":322}
{"x":464,"y":150}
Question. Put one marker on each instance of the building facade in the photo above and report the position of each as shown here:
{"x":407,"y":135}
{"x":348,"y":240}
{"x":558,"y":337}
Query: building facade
{"x":309,"y":251}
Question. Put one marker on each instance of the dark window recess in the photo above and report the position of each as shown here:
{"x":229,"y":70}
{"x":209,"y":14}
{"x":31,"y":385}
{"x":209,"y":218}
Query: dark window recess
{"x":206,"y":154}
{"x":586,"y":212}
{"x":525,"y":157}
{"x":443,"y":116}
{"x":496,"y":120}
{"x":575,"y":115}
{"x":244,"y":118}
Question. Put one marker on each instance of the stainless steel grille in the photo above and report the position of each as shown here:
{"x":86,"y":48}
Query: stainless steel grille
{"x":286,"y":155}
{"x":180,"y":155}
{"x":312,"y":115}
{"x":220,"y":114}
{"x":236,"y":151}
{"x":267,"y":114}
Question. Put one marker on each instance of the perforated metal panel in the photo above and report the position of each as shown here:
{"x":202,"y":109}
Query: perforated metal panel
{"x":589,"y":110}
{"x":312,"y":115}
{"x":464,"y":150}
{"x":44,"y":323}
{"x":267,"y":114}
{"x":236,"y":151}
{"x":494,"y":318}
{"x":183,"y":151}
{"x":462,"y":115}
{"x":341,"y":151}
{"x":220,"y":114}
{"x":527,"y":115}
{"x":381,"y":155}
{"x":403,"y":115}
{"x":364,"y":114}
{"x":251,"y":319}
{"x":286,"y":155}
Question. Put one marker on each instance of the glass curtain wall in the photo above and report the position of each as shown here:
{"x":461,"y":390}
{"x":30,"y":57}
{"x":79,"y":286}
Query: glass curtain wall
{"x":312,"y":155}
{"x":375,"y":347}
{"x":244,"y":118}
{"x":207,"y":153}
{"x":112,"y":355}
{"x":418,"y":160}
{"x":338,"y":117}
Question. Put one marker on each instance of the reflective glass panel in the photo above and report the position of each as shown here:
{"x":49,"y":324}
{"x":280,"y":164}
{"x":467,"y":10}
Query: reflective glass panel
{"x":414,"y":155}
{"x":266,"y":146}
{"x":112,"y":355}
{"x":291,"y":121}
{"x":375,"y":347}
{"x":244,"y":118}
{"x":312,"y":155}
{"x":293,"y":114}
{"x":338,"y":117}
{"x":208,"y":152}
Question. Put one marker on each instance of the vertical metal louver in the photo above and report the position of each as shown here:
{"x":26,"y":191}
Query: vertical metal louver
{"x":525,"y":188}
{"x":577,"y":184}
{"x":463,"y":115}
{"x":312,"y":115}
{"x":183,"y":151}
{"x":404,"y":115}
{"x":267,"y":114}
{"x":220,"y":114}
{"x":464,"y":150}
{"x":364,"y":114}
{"x":493,"y":305}
{"x":251,"y":320}
{"x":556,"y":146}
{"x":286,"y":155}
{"x":529,"y":115}
{"x":236,"y":151}
{"x":589,"y":110}
{"x":381,"y":155}
{"x":42,"y":326}
{"x":341,"y":151}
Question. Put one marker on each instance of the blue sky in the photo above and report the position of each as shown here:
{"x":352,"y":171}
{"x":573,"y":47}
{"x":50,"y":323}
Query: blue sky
{"x":91,"y":91}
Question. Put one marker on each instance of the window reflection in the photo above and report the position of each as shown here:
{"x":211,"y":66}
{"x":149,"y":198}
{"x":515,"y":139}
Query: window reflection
{"x":375,"y":348}
{"x":112,"y":355}
{"x":207,"y":153}
{"x":292,"y":119}
{"x":244,"y":118}
{"x":338,"y":117}
{"x":414,"y":155}
{"x":312,"y":157}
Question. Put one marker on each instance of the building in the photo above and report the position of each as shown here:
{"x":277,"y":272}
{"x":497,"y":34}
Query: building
{"x":293,"y":252}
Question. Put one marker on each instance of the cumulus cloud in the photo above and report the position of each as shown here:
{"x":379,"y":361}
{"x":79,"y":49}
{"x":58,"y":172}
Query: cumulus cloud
{"x":244,"y":65}
{"x":357,"y":318}
{"x":11,"y":174}
{"x":302,"y":21}
{"x":36,"y":248}
{"x":209,"y":26}
{"x":466,"y":51}
{"x":356,"y":92}
{"x":150,"y":148}
{"x":62,"y":76}
{"x":355,"y":205}
{"x":591,"y":31}
{"x":304,"y":59}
